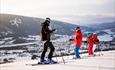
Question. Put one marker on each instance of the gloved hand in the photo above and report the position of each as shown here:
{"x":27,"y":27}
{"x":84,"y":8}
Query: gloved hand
{"x":70,"y":39}
{"x":54,"y":30}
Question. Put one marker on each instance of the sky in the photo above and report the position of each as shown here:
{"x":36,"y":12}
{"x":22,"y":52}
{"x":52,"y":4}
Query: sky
{"x":72,"y":11}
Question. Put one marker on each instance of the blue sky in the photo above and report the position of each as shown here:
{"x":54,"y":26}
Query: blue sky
{"x":73,"y":11}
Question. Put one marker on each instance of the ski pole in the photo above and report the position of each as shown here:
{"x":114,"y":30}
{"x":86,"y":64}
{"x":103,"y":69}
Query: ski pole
{"x":68,"y":48}
{"x":56,"y":56}
{"x":100,"y":46}
{"x":68,"y":51}
{"x":61,"y":55}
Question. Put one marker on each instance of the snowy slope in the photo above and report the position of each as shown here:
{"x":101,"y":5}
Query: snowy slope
{"x":105,"y":62}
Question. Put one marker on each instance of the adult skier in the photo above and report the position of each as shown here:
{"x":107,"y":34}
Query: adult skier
{"x":45,"y":37}
{"x":90,"y":44}
{"x":77,"y":39}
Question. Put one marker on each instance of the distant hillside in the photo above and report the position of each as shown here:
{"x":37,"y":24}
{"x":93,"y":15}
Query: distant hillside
{"x":104,"y":28}
{"x":15,"y":25}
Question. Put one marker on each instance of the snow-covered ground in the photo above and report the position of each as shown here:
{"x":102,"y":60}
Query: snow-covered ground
{"x":104,"y":62}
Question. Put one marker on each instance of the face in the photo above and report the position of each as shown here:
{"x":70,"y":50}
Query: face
{"x":47,"y":22}
{"x":77,"y":30}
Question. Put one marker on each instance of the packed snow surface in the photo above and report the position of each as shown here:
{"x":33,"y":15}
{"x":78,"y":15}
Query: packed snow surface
{"x":102,"y":62}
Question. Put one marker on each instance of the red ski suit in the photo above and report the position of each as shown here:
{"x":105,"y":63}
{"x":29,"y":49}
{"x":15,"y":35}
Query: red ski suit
{"x":77,"y":39}
{"x":90,"y":45}
{"x":95,"y":39}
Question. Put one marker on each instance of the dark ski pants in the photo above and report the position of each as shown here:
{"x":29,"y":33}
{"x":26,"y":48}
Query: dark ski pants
{"x":47,"y":45}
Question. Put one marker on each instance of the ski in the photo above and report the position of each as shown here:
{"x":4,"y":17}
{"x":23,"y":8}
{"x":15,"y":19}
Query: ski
{"x":35,"y":64}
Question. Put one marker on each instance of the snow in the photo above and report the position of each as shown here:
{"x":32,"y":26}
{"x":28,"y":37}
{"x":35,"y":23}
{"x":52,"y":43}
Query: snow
{"x":16,"y":21}
{"x":32,"y":37}
{"x":105,"y":38}
{"x":7,"y":38}
{"x":104,"y":62}
{"x":19,"y":44}
{"x":9,"y":42}
{"x":109,"y":31}
{"x":1,"y":42}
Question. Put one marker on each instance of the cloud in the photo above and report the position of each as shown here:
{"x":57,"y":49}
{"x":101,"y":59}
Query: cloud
{"x":59,"y":9}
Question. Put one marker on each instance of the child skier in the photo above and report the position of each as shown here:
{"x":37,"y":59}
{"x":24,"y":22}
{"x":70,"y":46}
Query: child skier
{"x":77,"y":39}
{"x":90,"y":44}
{"x":96,"y":41}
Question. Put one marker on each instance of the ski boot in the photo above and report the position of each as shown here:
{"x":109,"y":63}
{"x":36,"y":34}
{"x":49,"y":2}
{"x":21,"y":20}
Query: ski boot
{"x":50,"y":61}
{"x":42,"y":61}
